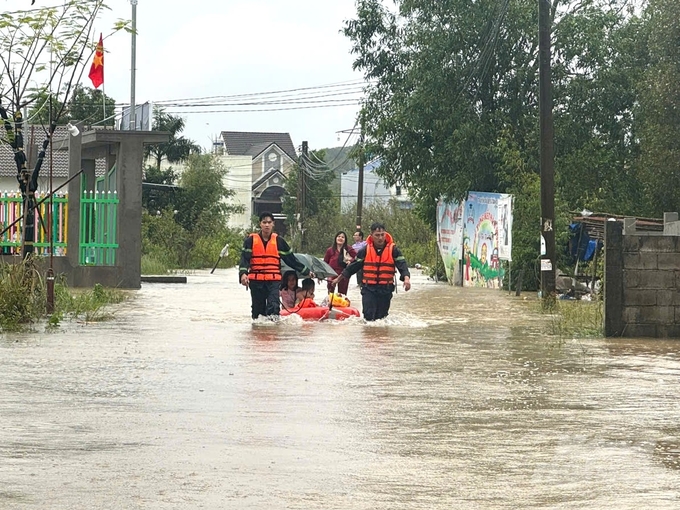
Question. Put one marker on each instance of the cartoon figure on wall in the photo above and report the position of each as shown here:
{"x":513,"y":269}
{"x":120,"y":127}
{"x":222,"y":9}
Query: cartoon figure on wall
{"x":466,"y":254}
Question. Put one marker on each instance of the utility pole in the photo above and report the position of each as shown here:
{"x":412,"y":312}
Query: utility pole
{"x":303,"y":191}
{"x":133,"y":71}
{"x":547,"y":153}
{"x":360,"y":188}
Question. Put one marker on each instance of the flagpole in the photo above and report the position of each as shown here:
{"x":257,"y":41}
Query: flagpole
{"x":133,"y":67}
{"x":103,"y":86}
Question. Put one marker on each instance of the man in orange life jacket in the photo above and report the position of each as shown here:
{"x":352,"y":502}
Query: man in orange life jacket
{"x":379,"y":260}
{"x":260,"y":267}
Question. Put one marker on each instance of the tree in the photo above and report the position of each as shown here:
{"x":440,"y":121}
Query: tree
{"x":452,"y":101}
{"x":175,"y":150}
{"x":92,"y":106}
{"x":50,"y":46}
{"x":660,"y":111}
{"x":202,"y":201}
{"x":159,"y":198}
{"x":317,"y":203}
{"x":86,"y":105}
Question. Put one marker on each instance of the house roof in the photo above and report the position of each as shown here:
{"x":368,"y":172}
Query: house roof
{"x":595,"y":223}
{"x":35,"y":135}
{"x":268,"y":175}
{"x":249,"y":143}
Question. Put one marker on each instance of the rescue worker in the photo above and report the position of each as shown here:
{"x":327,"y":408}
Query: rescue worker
{"x":379,"y":261}
{"x":260,"y":267}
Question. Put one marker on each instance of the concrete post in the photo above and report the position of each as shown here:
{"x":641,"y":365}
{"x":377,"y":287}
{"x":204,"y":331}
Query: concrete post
{"x":74,"y":166}
{"x":129,"y":228}
{"x":613,"y":280}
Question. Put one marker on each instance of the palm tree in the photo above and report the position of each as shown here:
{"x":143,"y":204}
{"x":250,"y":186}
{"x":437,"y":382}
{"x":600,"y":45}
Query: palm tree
{"x":177,"y":148}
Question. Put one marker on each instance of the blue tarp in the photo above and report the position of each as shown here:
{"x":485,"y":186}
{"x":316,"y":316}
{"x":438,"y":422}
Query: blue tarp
{"x":581,"y":245}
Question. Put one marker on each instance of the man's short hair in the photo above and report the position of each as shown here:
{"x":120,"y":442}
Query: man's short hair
{"x":377,"y":226}
{"x":266,"y":214}
{"x":361,"y":234}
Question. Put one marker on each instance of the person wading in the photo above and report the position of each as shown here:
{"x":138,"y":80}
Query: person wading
{"x":260,"y":267}
{"x":379,"y":261}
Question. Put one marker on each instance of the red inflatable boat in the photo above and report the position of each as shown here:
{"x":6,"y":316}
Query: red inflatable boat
{"x":319,"y":313}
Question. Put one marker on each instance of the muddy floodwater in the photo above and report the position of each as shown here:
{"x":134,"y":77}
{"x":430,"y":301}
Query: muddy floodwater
{"x":458,"y":400}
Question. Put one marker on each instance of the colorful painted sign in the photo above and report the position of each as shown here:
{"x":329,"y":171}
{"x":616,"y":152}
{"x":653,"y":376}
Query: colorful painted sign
{"x":479,"y":232}
{"x":450,"y":234}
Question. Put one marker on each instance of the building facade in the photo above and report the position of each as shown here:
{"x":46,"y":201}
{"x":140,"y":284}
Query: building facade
{"x":257,"y":165}
{"x":375,"y":189}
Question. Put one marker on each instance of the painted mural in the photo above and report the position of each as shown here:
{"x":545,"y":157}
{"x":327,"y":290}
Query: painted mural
{"x":450,"y":234}
{"x":478,"y":231}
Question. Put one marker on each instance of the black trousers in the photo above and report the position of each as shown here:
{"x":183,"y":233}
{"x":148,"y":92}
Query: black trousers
{"x":265,"y":298}
{"x":375,"y":301}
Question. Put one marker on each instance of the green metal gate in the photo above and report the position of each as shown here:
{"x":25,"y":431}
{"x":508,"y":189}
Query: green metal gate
{"x":98,"y":221}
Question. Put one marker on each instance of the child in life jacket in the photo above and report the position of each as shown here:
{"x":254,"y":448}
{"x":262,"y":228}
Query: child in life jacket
{"x":305,"y":295}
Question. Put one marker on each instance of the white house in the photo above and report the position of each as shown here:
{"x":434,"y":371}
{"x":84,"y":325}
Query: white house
{"x":257,"y":164}
{"x":375,"y":188}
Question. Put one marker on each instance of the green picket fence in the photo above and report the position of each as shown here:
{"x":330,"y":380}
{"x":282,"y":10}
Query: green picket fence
{"x":98,"y":217}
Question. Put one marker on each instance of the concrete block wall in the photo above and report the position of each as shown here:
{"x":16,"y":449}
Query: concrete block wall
{"x":642,"y":281}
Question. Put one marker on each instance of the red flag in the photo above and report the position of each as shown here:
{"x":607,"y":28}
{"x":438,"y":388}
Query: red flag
{"x":97,"y":67}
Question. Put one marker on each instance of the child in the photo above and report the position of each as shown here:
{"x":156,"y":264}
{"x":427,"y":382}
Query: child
{"x":289,"y":289}
{"x":305,"y":295}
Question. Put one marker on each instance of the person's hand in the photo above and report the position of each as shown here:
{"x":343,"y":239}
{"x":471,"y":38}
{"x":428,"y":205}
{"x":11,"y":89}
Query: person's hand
{"x":407,"y":283}
{"x":335,"y":280}
{"x":244,"y":280}
{"x":312,"y":275}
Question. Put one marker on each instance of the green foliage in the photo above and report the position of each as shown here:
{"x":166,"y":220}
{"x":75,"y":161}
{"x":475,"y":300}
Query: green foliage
{"x":575,"y":319}
{"x":20,"y":296}
{"x":660,"y":110}
{"x":176,"y":149}
{"x":87,"y":105}
{"x":163,"y":239}
{"x":156,"y":264}
{"x":89,"y":305}
{"x":23,"y":298}
{"x":452,"y":106}
{"x":160,"y":198}
{"x":413,"y":236}
{"x":320,"y":202}
{"x":190,"y":232}
{"x":201,"y":205}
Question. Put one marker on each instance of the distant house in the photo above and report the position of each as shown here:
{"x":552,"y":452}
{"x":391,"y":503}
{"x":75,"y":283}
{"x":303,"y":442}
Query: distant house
{"x":375,"y":188}
{"x":257,"y":165}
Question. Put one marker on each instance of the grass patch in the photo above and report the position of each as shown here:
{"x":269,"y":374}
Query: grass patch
{"x":23,"y":299}
{"x":153,"y":264}
{"x":88,"y":305}
{"x":574,"y":318}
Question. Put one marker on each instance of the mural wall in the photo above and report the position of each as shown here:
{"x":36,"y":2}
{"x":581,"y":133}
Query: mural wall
{"x":478,"y":232}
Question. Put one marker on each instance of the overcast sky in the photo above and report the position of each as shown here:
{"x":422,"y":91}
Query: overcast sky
{"x":200,"y":48}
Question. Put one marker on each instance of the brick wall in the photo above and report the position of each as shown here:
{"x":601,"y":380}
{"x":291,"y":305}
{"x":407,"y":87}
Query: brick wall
{"x":642,"y":281}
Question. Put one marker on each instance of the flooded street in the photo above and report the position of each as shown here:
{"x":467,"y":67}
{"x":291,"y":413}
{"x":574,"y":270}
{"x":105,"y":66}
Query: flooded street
{"x":458,"y":400}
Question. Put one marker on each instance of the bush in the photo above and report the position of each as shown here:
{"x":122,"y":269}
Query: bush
{"x":23,"y":298}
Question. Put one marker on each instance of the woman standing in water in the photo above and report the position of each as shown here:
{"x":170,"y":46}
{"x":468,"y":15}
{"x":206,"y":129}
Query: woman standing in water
{"x":338,"y":256}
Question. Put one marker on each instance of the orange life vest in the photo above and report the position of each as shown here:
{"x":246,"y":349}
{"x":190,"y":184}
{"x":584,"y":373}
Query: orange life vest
{"x":307,"y":303}
{"x":379,"y":270}
{"x":265,"y":263}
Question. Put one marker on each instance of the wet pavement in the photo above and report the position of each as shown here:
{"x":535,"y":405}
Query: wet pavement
{"x":458,"y":400}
